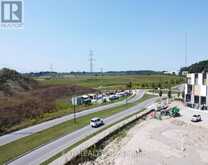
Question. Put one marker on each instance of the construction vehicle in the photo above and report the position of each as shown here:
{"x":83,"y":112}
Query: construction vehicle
{"x":174,"y":112}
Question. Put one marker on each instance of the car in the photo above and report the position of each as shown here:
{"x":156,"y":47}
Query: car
{"x":113,"y":97}
{"x":96,"y":122}
{"x":196,"y":118}
{"x":152,"y":107}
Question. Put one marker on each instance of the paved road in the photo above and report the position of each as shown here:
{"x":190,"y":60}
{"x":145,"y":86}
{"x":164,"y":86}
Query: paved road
{"x":45,"y":152}
{"x":180,"y":87}
{"x":45,"y":125}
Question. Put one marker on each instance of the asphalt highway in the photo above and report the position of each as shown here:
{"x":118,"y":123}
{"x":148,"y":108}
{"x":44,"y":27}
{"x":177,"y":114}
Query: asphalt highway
{"x":47,"y":151}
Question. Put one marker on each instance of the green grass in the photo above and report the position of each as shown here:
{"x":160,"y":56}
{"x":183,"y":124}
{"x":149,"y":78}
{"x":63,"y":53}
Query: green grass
{"x":21,"y":146}
{"x":113,"y":82}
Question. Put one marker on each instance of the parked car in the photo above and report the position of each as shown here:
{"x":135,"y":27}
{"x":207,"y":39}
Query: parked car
{"x":87,"y":101}
{"x":113,"y":97}
{"x":96,"y":122}
{"x":196,"y":118}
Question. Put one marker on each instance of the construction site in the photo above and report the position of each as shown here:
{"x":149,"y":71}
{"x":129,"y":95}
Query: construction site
{"x":163,"y":139}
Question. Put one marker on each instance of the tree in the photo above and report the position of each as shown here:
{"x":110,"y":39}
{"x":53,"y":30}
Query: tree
{"x":196,"y":68}
{"x":160,"y":93}
{"x":153,"y":85}
{"x":179,"y":94}
{"x":143,"y":85}
{"x":129,"y":85}
{"x":169,"y":94}
{"x":160,"y":85}
{"x":146,"y":85}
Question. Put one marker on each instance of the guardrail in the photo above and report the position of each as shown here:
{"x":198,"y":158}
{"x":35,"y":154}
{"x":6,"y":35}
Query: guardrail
{"x":67,"y":157}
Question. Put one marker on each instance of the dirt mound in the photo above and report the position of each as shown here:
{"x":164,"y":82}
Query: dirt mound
{"x":12,"y":82}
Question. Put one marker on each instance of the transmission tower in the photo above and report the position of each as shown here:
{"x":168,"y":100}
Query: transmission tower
{"x":91,"y":61}
{"x":51,"y":68}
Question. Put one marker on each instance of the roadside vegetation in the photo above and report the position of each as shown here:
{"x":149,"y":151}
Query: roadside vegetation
{"x":35,"y":106}
{"x":28,"y":143}
{"x":199,"y":67}
{"x":25,"y":102}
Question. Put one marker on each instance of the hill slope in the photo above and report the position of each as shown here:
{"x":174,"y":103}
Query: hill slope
{"x":12,"y":82}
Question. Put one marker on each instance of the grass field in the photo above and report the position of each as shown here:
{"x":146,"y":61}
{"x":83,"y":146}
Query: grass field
{"x":21,"y":146}
{"x":112,"y":82}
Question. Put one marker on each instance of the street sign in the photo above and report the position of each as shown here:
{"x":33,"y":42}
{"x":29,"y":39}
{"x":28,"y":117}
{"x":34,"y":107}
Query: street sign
{"x":74,"y":100}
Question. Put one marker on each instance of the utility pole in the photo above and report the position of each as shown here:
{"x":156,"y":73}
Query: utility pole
{"x":101,"y":71}
{"x":74,"y":111}
{"x":74,"y":102}
{"x":51,"y":68}
{"x":74,"y":107}
{"x":91,"y":60}
{"x":186,"y":49}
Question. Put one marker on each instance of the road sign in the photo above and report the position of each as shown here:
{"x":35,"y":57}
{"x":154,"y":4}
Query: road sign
{"x":74,"y":100}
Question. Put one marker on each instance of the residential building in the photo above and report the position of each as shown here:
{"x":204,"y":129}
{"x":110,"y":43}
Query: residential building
{"x":196,"y":90}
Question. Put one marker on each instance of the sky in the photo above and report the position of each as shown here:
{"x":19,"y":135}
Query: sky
{"x":123,"y":34}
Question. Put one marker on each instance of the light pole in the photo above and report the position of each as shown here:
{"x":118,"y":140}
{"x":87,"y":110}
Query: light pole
{"x":74,"y":108}
{"x":74,"y":102}
{"x":74,"y":111}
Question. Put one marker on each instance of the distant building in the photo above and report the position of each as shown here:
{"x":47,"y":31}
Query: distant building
{"x":184,"y":73}
{"x":196,"y":90}
{"x":169,"y":73}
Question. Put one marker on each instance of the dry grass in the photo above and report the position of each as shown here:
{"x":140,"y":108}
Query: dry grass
{"x":34,"y":104}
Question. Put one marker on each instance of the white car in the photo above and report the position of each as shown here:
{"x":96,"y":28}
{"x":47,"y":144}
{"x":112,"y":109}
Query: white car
{"x":196,"y":118}
{"x":152,"y":107}
{"x":96,"y":122}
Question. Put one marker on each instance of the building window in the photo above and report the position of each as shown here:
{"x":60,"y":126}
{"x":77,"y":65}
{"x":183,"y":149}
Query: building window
{"x":189,"y":89}
{"x":188,"y":80}
{"x":196,"y":99}
{"x":188,"y":98}
{"x":203,"y":100}
{"x":204,"y":78}
{"x":196,"y":78}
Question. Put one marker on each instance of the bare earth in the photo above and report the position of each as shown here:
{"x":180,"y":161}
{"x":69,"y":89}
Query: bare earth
{"x":168,"y":142}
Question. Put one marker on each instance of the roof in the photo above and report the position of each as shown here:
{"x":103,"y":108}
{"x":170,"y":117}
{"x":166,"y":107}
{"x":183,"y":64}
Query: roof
{"x":95,"y":118}
{"x":85,"y":96}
